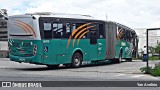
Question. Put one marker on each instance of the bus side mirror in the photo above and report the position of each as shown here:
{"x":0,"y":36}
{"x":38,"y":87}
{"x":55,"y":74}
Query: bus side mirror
{"x":33,"y":17}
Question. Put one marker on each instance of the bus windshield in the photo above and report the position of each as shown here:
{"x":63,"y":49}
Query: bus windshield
{"x":21,"y":28}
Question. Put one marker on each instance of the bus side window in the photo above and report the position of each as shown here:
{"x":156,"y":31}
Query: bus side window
{"x":73,"y":27}
{"x":101,"y":31}
{"x":123,"y":36}
{"x":126,"y":35}
{"x":66,"y":30}
{"x":47,"y":31}
{"x":84,"y":29}
{"x":57,"y":30}
{"x":93,"y":37}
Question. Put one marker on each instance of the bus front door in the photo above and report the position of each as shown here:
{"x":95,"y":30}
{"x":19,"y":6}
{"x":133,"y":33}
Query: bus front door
{"x":47,"y":49}
{"x":52,"y":51}
{"x":93,"y":45}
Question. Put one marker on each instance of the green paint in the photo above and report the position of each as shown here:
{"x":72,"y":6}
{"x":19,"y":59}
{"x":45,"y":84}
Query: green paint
{"x":57,"y":52}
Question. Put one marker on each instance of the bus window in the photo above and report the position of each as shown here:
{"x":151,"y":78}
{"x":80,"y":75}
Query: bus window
{"x":101,"y":31}
{"x":83,"y":29}
{"x":130,"y":36}
{"x":57,"y":30}
{"x":93,"y":37}
{"x":66,"y":30}
{"x":73,"y":27}
{"x":123,"y":36}
{"x":47,"y":31}
{"x":127,"y":38}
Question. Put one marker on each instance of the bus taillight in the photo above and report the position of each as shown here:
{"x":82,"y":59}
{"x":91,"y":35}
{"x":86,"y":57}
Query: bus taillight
{"x":34,"y":49}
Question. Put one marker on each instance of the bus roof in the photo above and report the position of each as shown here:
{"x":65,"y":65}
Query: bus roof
{"x":64,"y":15}
{"x":58,"y":15}
{"x":121,"y":25}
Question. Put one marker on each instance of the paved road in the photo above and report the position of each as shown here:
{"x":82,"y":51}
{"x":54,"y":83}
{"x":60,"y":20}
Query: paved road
{"x":22,"y":71}
{"x":128,"y":71}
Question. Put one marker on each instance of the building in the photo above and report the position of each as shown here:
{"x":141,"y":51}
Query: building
{"x":3,"y":33}
{"x":153,"y":38}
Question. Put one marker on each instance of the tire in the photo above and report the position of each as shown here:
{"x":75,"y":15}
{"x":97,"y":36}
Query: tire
{"x":76,"y":60}
{"x":120,"y":57}
{"x":52,"y":66}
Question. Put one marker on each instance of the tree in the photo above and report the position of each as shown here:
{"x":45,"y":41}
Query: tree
{"x":157,"y":49}
{"x":152,"y":49}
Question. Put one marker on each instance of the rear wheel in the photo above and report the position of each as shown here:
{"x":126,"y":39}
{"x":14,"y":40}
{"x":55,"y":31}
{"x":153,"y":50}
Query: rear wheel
{"x":76,"y":60}
{"x":52,"y":66}
{"x":119,"y":60}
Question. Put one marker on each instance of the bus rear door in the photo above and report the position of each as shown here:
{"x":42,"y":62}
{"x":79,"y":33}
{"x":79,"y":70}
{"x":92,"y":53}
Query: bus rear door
{"x":93,"y":45}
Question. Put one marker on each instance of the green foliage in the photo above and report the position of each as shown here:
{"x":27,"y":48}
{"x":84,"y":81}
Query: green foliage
{"x":155,"y":71}
{"x":146,"y":69}
{"x":152,"y":49}
{"x":157,"y":49}
{"x":154,"y":58}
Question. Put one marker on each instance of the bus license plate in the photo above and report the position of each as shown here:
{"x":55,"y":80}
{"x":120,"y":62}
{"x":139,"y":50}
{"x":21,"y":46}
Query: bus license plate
{"x":22,"y":51}
{"x":21,"y":59}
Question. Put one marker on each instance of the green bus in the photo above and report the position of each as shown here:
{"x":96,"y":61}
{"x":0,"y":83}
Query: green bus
{"x":53,"y":39}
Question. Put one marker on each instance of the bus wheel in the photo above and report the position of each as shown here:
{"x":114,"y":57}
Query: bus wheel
{"x":52,"y":66}
{"x":76,"y":60}
{"x":120,"y":58}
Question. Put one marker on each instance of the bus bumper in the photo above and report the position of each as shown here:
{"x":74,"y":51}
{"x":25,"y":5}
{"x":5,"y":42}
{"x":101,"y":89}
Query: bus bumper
{"x":32,"y":59}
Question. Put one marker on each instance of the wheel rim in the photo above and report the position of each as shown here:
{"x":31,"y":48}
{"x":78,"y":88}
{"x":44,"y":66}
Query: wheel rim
{"x":77,"y":61}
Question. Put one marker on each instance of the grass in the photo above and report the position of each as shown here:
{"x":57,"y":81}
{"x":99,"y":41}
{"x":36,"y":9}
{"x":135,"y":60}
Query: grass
{"x":151,"y":58}
{"x":154,"y":58}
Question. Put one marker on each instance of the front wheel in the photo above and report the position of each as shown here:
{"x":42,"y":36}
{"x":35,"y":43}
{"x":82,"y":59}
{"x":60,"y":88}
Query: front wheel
{"x":76,"y":60}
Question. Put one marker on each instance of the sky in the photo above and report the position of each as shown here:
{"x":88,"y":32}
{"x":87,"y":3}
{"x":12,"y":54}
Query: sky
{"x":132,"y":13}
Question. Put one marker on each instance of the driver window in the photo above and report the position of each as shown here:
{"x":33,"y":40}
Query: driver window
{"x":47,"y":31}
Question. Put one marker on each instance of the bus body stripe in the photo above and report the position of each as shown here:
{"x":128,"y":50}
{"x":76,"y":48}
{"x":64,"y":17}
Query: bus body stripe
{"x":119,"y":35}
{"x":28,"y":27}
{"x":21,"y":27}
{"x":69,"y":41}
{"x":80,"y":33}
{"x":82,"y":36}
{"x":74,"y":31}
{"x":118,"y":31}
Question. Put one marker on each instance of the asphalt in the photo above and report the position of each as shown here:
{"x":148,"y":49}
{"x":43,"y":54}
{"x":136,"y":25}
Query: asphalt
{"x":125,"y":71}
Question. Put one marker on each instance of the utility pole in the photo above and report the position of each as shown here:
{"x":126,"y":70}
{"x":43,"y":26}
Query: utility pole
{"x":147,"y":72}
{"x":106,"y":17}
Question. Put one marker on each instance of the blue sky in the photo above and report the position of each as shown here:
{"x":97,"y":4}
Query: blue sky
{"x":133,"y":13}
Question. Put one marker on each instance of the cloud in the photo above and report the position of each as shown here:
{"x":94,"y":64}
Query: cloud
{"x":132,"y":13}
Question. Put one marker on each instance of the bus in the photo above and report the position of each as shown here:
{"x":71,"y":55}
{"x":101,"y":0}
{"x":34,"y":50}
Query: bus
{"x":52,"y":39}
